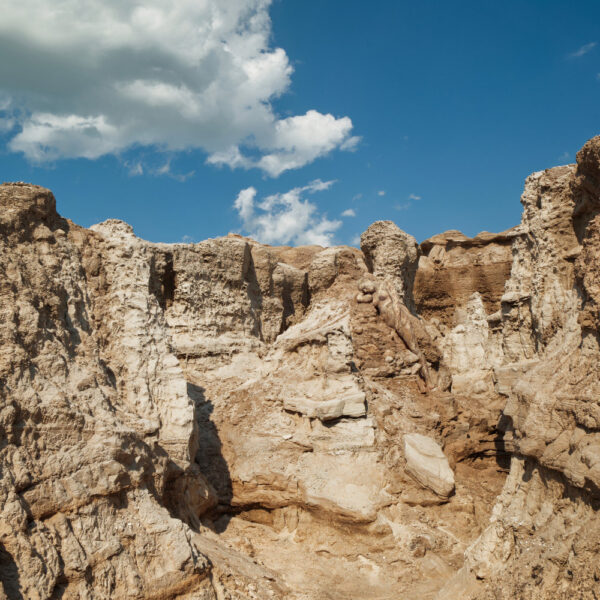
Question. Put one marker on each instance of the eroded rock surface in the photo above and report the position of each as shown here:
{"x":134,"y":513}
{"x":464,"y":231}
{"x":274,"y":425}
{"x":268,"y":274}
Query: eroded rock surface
{"x":228,"y":420}
{"x":542,"y":541}
{"x":426,"y":462}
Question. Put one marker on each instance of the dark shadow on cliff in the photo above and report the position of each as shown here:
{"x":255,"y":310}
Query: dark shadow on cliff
{"x":209,"y":456}
{"x":503,"y":452}
{"x":9,"y":576}
{"x":254,"y":293}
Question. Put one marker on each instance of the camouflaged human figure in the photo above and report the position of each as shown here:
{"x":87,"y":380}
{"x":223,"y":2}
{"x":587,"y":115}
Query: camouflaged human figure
{"x":384,"y":297}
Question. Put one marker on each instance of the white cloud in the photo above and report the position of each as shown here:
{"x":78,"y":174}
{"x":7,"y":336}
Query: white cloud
{"x":381,"y":193}
{"x":299,"y":140}
{"x":583,"y":50}
{"x":244,"y":204}
{"x":404,"y":206}
{"x":349,"y":212}
{"x":46,"y":136}
{"x":102,"y":76}
{"x":414,"y":197}
{"x":286,"y":218}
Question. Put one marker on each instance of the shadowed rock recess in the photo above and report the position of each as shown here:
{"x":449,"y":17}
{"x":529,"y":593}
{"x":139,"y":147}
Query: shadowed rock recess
{"x":228,"y":420}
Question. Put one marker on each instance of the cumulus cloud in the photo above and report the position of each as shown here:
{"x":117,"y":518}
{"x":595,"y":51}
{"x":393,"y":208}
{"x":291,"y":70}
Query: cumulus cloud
{"x":102,"y":76}
{"x":349,"y":212}
{"x":286,"y":218}
{"x":583,"y":50}
{"x":296,"y":141}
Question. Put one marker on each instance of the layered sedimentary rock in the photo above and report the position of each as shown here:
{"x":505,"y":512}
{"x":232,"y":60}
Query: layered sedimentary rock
{"x":542,"y":541}
{"x":98,"y":430}
{"x":232,"y":420}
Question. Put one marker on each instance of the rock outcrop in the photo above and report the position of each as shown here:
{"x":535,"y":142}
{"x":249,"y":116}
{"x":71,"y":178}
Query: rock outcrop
{"x":229,"y":420}
{"x":542,"y":540}
{"x":426,"y":462}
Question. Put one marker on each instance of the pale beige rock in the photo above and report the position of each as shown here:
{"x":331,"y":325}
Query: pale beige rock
{"x":472,"y":350}
{"x":391,"y":253}
{"x":97,"y":473}
{"x":350,"y":405}
{"x":427,"y":463}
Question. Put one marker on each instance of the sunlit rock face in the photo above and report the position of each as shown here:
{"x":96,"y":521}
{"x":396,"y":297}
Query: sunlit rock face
{"x":234,"y":420}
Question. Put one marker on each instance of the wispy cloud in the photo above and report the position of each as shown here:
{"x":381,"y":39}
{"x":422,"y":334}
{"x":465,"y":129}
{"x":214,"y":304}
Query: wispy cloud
{"x":187,"y":239}
{"x":137,"y":168}
{"x":167,"y":171}
{"x":381,"y":193}
{"x":357,"y":197}
{"x":583,"y":50}
{"x":7,"y":124}
{"x":404,"y":206}
{"x":349,"y":212}
{"x":286,"y":218}
{"x":414,"y":197}
{"x":564,"y":156}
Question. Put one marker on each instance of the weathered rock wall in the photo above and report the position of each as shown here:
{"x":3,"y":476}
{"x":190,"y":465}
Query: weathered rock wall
{"x":98,"y":431}
{"x":233,"y":420}
{"x":453,"y":267}
{"x":542,"y":541}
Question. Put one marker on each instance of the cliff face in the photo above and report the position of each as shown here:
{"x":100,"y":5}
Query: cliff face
{"x":233,"y":420}
{"x":543,"y":541}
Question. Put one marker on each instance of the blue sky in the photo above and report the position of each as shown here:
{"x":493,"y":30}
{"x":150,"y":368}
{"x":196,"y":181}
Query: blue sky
{"x":191,"y":119}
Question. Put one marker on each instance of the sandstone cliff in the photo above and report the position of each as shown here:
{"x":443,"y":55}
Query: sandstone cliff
{"x":232,"y":420}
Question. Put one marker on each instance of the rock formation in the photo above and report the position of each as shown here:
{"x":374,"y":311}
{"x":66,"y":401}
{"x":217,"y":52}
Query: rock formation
{"x":229,"y":420}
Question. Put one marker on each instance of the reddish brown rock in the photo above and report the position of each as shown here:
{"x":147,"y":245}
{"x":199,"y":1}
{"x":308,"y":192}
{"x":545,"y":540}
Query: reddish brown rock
{"x":453,"y":267}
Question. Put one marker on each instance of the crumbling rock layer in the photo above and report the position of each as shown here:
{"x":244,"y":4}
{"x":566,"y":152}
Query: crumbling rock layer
{"x":229,"y":420}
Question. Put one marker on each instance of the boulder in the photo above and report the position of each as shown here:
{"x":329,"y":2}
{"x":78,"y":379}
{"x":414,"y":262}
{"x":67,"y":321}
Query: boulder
{"x":426,"y":462}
